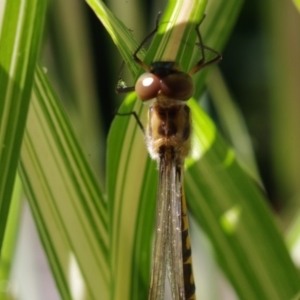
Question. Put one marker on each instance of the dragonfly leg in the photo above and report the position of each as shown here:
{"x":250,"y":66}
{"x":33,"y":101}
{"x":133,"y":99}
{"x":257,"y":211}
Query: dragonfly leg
{"x":121,"y":86}
{"x":134,"y":114}
{"x":149,"y":36}
{"x":202,"y":63}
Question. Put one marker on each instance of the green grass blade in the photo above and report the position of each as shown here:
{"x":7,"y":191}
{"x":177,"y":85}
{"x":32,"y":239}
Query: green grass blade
{"x":233,"y":124}
{"x":119,"y":33}
{"x":10,"y":239}
{"x":232,"y":211}
{"x":65,"y":198}
{"x":293,"y":237}
{"x":73,"y":73}
{"x":21,"y":29}
{"x":297,"y":4}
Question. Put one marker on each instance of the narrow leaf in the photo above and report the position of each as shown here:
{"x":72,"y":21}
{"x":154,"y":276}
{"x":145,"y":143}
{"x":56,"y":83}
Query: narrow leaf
{"x":21,"y":29}
{"x":65,"y":199}
{"x":233,"y":212}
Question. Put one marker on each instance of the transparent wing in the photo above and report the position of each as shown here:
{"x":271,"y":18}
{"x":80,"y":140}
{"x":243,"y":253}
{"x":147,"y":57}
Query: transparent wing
{"x":172,"y":251}
{"x":159,"y":259}
{"x":175,"y":266}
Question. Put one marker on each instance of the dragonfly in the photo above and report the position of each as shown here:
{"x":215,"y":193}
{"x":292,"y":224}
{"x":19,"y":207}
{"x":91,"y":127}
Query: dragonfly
{"x":168,"y":137}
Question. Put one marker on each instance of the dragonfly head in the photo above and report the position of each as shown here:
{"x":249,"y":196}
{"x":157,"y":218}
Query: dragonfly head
{"x":165,"y":79}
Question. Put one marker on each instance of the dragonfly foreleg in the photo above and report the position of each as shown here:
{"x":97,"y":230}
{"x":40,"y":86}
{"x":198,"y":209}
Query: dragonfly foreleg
{"x":134,"y":114}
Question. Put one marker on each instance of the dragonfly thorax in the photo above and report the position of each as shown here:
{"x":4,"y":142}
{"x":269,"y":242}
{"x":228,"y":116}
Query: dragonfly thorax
{"x":169,"y":129}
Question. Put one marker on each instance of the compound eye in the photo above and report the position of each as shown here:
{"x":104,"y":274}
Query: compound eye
{"x":147,"y":86}
{"x":178,"y":86}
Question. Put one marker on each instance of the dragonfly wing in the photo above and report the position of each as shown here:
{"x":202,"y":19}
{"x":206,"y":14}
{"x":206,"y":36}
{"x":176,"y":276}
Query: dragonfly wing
{"x":175,"y":266}
{"x":159,"y":259}
{"x":168,"y":246}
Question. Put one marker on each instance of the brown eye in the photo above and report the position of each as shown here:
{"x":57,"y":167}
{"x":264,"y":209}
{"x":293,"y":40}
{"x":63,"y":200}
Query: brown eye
{"x":147,"y":86}
{"x":177,"y":86}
